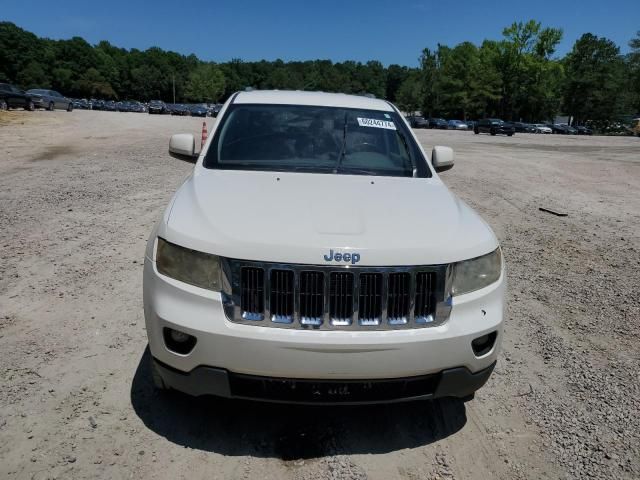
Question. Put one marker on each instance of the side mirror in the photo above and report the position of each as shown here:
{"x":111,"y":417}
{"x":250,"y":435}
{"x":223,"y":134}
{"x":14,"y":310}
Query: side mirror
{"x":442,"y":158}
{"x":183,"y":146}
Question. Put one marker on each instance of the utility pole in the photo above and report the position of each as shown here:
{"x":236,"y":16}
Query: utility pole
{"x":173,"y":79}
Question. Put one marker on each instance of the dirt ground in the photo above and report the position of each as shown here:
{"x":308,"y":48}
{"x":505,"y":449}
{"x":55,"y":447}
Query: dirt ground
{"x":79,"y":193}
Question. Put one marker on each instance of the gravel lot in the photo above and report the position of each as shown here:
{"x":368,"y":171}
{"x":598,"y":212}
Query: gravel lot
{"x":79,"y":193}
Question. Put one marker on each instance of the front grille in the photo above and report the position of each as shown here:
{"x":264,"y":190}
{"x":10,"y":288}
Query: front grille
{"x":335,"y":297}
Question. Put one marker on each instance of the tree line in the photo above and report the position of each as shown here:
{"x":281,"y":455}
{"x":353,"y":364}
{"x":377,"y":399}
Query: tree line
{"x":515,"y":78}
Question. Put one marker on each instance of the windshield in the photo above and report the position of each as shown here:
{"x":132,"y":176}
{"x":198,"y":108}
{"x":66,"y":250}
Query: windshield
{"x":296,"y":138}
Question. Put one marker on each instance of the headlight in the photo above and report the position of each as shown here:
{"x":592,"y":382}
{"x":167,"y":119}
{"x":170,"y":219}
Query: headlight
{"x":189,"y":266}
{"x":477,"y":273}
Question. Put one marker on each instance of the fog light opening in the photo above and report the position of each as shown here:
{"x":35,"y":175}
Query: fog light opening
{"x":483,"y":345}
{"x":177,"y":341}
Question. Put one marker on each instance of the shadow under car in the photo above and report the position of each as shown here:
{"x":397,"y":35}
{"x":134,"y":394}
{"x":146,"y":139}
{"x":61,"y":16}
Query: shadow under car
{"x":290,"y":432}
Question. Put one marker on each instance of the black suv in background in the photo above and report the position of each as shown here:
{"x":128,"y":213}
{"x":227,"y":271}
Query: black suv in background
{"x":13,"y":97}
{"x":582,"y":130}
{"x":440,"y":123}
{"x":562,"y":129}
{"x":494,"y":126}
{"x":524,"y":127}
{"x":157,"y":106}
{"x":417,"y":121}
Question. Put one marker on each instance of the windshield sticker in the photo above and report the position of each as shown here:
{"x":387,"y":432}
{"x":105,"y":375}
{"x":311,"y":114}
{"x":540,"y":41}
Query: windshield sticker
{"x":375,"y":123}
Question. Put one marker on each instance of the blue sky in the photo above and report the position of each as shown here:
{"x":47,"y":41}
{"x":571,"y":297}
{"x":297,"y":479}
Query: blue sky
{"x":392,"y":31}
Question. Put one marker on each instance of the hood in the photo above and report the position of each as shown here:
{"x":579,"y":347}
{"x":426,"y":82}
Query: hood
{"x":301,"y":217}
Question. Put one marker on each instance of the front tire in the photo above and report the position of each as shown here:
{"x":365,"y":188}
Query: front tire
{"x":3,"y":105}
{"x":51,"y":107}
{"x":492,"y":132}
{"x":476,"y":131}
{"x":30,"y":106}
{"x":70,"y":107}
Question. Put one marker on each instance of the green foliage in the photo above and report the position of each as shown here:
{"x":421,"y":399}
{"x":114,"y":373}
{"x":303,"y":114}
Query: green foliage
{"x":595,"y":79}
{"x":516,"y":78}
{"x":530,"y":79}
{"x":430,"y":66}
{"x":410,"y":96}
{"x":206,"y":82}
{"x":633,"y":67}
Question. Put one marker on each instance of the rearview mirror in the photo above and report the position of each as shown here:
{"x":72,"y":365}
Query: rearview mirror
{"x":442,"y":158}
{"x":182,"y":146}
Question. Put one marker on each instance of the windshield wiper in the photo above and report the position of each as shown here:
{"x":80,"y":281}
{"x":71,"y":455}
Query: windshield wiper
{"x":311,"y":168}
{"x":359,"y":171}
{"x":375,"y":173}
{"x":344,"y":145}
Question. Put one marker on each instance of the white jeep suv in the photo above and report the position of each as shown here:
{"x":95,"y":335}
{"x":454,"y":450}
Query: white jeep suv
{"x":315,"y":256}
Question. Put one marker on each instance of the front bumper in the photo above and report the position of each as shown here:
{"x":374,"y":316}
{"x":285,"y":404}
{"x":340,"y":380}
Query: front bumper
{"x":354,"y":355}
{"x":455,"y":382}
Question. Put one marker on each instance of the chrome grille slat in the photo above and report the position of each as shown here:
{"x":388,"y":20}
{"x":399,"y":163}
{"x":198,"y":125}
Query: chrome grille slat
{"x":424,"y":300}
{"x":335,"y":297}
{"x":399,"y":298}
{"x":252,"y":294}
{"x":370,"y":298}
{"x":282,"y":296}
{"x":341,"y":301}
{"x":311,"y":295}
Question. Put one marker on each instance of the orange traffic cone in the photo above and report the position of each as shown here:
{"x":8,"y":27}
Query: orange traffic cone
{"x":204,"y":134}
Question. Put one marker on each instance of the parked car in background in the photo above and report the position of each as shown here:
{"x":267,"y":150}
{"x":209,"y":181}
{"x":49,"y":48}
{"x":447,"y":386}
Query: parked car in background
{"x":13,"y":97}
{"x":134,"y":106}
{"x":457,"y":125}
{"x":522,"y":127}
{"x":215,"y":109}
{"x":49,"y":99}
{"x":471,"y":124}
{"x":110,"y":106}
{"x":582,"y":130}
{"x":440,"y":123}
{"x":494,"y":126}
{"x":542,"y":128}
{"x":198,"y":111}
{"x":179,"y":109}
{"x":570,"y":130}
{"x":562,"y":129}
{"x":81,"y":103}
{"x":97,"y":104}
{"x":416,"y":121}
{"x":157,"y":107}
